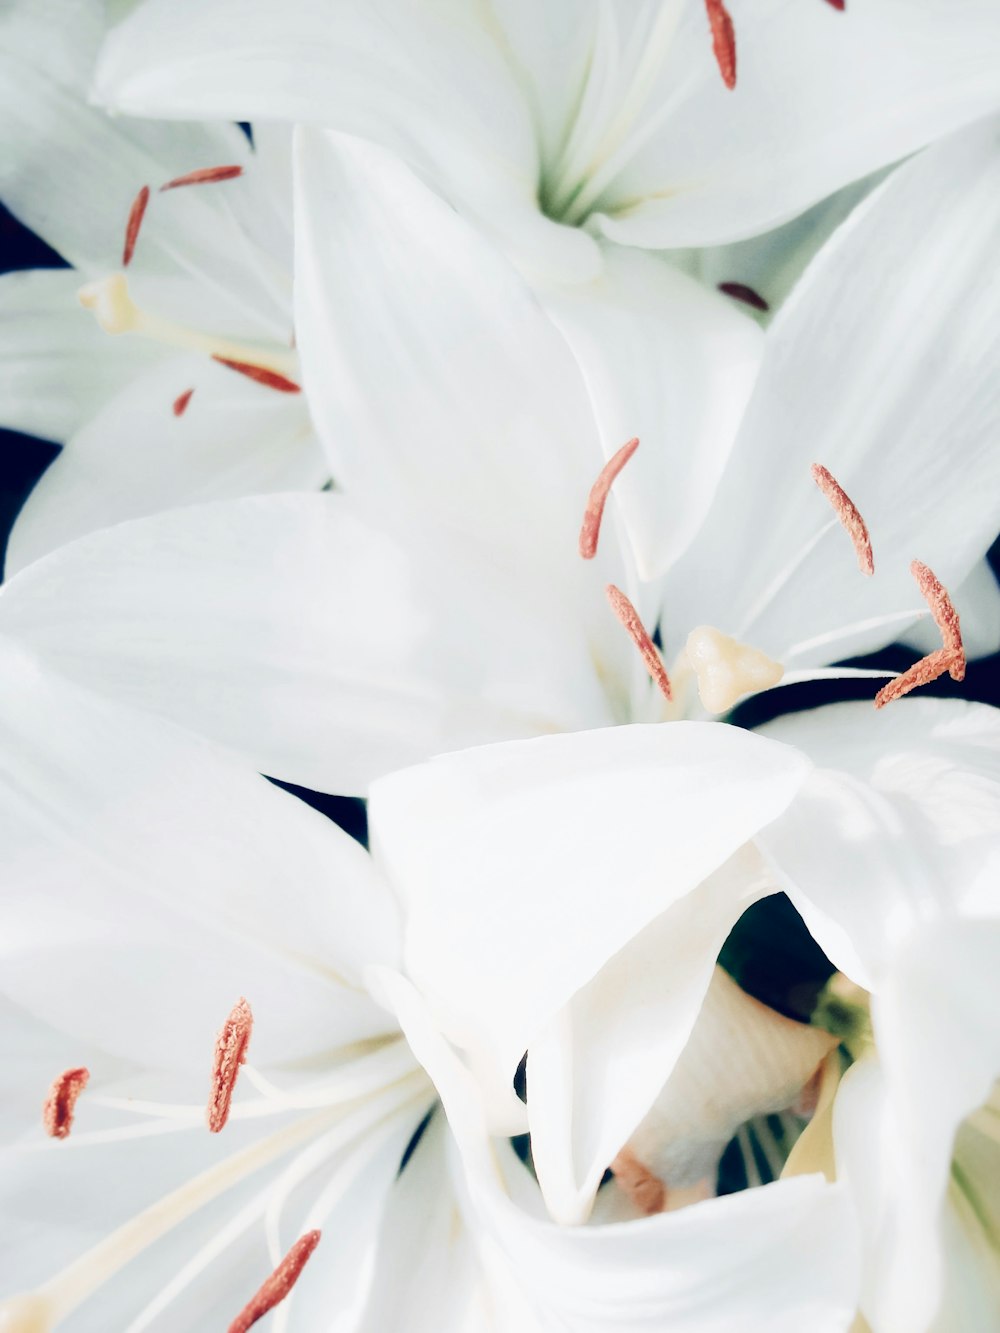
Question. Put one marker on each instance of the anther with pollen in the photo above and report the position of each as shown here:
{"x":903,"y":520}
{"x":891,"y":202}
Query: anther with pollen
{"x":646,"y":1191}
{"x":590,"y":531}
{"x":850,"y":519}
{"x":261,"y":375}
{"x":739,"y":291}
{"x":841,"y":5}
{"x":181,"y":402}
{"x":230,"y":1052}
{"x":203,"y":176}
{"x":135,"y":216}
{"x":278,"y":1285}
{"x":60,"y":1104}
{"x":723,"y":40}
{"x":636,"y":631}
{"x":950,"y":657}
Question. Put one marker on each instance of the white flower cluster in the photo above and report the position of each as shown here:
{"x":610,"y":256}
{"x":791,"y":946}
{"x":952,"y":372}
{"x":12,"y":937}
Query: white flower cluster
{"x":488,"y":408}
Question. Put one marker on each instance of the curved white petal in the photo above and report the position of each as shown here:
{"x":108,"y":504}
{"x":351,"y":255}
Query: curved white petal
{"x":880,"y":368}
{"x":899,"y":822}
{"x":56,"y":366}
{"x":595,"y":1069}
{"x":559,"y":851}
{"x":430,"y":367}
{"x":149,"y":882}
{"x":323,"y":642}
{"x":673,"y":364}
{"x":821,"y":99}
{"x":137,"y":457}
{"x":895,"y":1123}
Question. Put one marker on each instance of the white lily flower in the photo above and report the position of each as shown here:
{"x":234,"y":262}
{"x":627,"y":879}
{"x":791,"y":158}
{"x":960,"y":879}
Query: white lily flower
{"x":149,"y":881}
{"x":550,"y":124}
{"x":892,"y":853}
{"x":332,"y":638}
{"x":149,"y":418}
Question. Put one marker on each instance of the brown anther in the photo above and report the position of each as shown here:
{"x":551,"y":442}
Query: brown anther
{"x":943,"y":610}
{"x":203,"y":176}
{"x":590,"y":530}
{"x":60,"y":1104}
{"x":181,"y":402}
{"x":646,"y":1191}
{"x":230,"y":1052}
{"x":278,"y":1285}
{"x":808,"y":1098}
{"x":634,"y":627}
{"x":850,"y":519}
{"x":135,"y":216}
{"x":921,"y":673}
{"x":739,"y":291}
{"x":261,"y":375}
{"x":723,"y":40}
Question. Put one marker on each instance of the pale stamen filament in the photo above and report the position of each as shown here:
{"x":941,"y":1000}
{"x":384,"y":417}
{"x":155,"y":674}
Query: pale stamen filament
{"x":116,"y":312}
{"x":60,"y":1296}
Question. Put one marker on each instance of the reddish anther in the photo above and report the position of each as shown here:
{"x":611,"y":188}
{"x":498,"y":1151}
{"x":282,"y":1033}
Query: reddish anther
{"x":60,"y":1104}
{"x":847,"y":511}
{"x":203,"y":176}
{"x":135,"y":216}
{"x":230,"y":1052}
{"x":629,"y":617}
{"x":646,"y":1191}
{"x":278,"y":1285}
{"x":261,"y":375}
{"x":921,"y":673}
{"x":739,"y":291}
{"x":590,"y":531}
{"x":181,"y":402}
{"x":723,"y":40}
{"x":950,"y":657}
{"x":942,"y":608}
{"x":837,"y":4}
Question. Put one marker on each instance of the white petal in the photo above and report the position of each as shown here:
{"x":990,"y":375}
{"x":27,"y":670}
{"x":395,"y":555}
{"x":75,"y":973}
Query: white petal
{"x":487,"y":425}
{"x":137,"y":457}
{"x":324,"y":643}
{"x":596,"y":1068}
{"x":940,"y":1057}
{"x":149,"y":883}
{"x":846,"y":383}
{"x":821,"y":99}
{"x":560,"y":850}
{"x":673,"y":364}
{"x":56,"y":366}
{"x":898,"y":822}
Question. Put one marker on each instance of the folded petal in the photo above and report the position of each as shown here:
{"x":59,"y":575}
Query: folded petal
{"x":559,"y":851}
{"x":880,"y":368}
{"x":487,"y":425}
{"x":149,"y":882}
{"x":56,"y":366}
{"x":897,"y":823}
{"x":322,"y":642}
{"x":673,"y":364}
{"x":137,"y":456}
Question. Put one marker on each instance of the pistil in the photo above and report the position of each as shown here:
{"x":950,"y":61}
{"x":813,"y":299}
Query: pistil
{"x":115,"y":311}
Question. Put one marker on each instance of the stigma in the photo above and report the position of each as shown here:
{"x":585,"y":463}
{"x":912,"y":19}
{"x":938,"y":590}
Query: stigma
{"x":727,"y":669}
